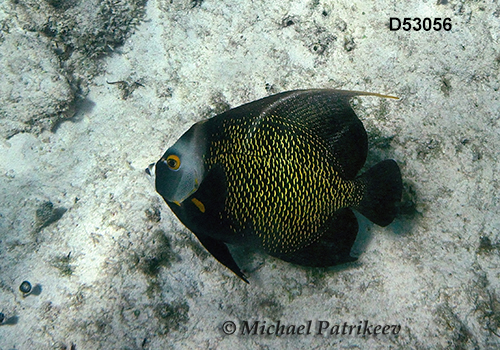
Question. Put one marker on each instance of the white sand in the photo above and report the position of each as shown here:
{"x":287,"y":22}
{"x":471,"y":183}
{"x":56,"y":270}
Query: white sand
{"x":427,"y":272}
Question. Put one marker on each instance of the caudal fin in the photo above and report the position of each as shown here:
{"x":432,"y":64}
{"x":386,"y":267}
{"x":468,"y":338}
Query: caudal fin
{"x":383,"y":188}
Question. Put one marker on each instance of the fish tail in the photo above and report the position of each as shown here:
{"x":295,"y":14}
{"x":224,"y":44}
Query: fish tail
{"x":382,"y":187}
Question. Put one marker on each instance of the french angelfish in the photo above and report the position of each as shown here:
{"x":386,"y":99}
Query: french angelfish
{"x":279,"y":173}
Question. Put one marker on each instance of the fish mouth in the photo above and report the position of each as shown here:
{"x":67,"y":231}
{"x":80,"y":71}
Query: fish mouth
{"x":150,"y":170}
{"x":151,"y":174}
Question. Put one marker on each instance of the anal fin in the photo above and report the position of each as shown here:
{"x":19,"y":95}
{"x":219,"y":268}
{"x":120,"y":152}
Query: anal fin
{"x":333,"y":247}
{"x":221,"y":253}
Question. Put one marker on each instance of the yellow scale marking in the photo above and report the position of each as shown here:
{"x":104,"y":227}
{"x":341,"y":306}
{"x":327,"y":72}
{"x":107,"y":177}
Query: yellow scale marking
{"x":280,"y":181}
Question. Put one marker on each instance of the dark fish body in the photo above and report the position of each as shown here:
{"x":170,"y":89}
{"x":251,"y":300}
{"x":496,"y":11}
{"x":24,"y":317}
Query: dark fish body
{"x":279,"y":173}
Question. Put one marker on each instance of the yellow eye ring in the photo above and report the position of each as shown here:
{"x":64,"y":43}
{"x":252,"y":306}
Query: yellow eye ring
{"x":173,"y":162}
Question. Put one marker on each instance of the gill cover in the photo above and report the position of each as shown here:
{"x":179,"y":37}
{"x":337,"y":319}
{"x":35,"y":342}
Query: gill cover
{"x":180,"y":170}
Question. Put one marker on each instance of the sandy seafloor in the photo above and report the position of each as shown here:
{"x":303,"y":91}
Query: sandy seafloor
{"x":114,"y":269}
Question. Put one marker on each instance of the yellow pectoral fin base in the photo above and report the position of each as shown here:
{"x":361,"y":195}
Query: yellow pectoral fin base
{"x":198,"y":204}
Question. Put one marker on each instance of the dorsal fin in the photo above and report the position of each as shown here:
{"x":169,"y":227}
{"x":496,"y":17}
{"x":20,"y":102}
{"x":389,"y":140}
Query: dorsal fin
{"x":329,"y":115}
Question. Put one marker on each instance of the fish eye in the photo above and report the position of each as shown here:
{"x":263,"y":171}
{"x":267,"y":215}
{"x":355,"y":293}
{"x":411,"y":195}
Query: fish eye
{"x":173,"y":162}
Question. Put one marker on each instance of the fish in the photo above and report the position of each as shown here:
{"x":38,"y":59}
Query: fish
{"x":279,"y":174}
